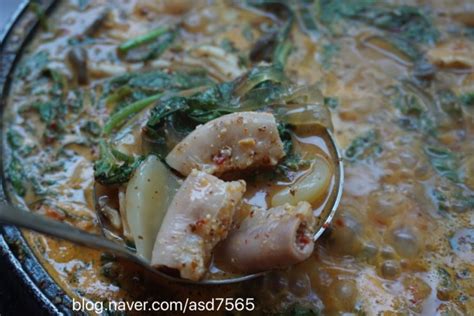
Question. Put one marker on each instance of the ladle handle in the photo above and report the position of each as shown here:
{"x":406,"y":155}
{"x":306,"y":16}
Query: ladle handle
{"x":11,"y":215}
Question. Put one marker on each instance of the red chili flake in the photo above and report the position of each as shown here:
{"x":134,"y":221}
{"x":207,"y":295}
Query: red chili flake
{"x":325,"y":225}
{"x":339,"y":222}
{"x":303,"y":239}
{"x":199,"y":224}
{"x":219,"y":159}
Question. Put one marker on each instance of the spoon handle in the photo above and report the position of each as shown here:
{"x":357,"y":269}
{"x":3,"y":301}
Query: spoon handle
{"x":11,"y":215}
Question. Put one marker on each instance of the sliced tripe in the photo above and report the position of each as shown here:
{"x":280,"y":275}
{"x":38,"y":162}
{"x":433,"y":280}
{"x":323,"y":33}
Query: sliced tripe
{"x":269,"y":239}
{"x":200,"y":215}
{"x":231,"y":142}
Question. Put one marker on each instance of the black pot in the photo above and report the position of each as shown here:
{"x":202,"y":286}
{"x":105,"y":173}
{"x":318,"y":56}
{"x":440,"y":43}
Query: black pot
{"x":25,"y":286}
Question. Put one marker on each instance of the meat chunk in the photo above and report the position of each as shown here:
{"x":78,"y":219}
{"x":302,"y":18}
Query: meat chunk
{"x":200,"y":215}
{"x":235,"y":141}
{"x":268,"y":239}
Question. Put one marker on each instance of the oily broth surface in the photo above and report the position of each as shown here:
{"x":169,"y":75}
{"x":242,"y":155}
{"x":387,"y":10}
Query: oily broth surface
{"x":388,"y":249}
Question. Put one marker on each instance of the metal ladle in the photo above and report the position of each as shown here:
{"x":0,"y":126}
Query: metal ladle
{"x":11,"y":215}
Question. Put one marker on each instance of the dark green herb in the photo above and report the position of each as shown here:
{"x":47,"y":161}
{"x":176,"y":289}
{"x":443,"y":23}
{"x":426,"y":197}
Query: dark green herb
{"x":441,"y":200}
{"x":444,"y":161}
{"x":449,"y":103}
{"x":364,"y":146}
{"x":148,"y":46}
{"x":119,"y":117}
{"x":228,"y":46}
{"x":16,"y":175}
{"x":467,"y":99}
{"x":331,"y":102}
{"x":14,"y":138}
{"x":284,"y":130}
{"x":445,"y":280}
{"x":34,"y":65}
{"x":143,"y":39}
{"x":114,"y":167}
{"x":453,"y":198}
{"x":40,"y":14}
{"x":157,"y":81}
{"x":405,"y":47}
{"x":283,"y":45}
{"x":331,"y":11}
{"x":92,"y":128}
{"x":327,"y":54}
{"x":306,"y":17}
{"x":219,"y":99}
{"x":406,"y":21}
{"x":415,"y":114}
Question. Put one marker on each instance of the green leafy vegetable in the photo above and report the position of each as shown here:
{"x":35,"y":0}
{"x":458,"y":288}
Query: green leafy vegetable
{"x":284,"y":131}
{"x":406,"y":21}
{"x":123,"y":90}
{"x":119,"y":117}
{"x":327,"y":54}
{"x":331,"y":102}
{"x":92,"y":128}
{"x":219,"y":99}
{"x":449,"y":103}
{"x":444,"y":161}
{"x":453,"y":198}
{"x":143,"y":39}
{"x":148,"y":46}
{"x":305,"y":14}
{"x":467,"y":99}
{"x":114,"y":167}
{"x":34,"y":65}
{"x":415,"y":113}
{"x":364,"y":146}
{"x":14,"y":138}
{"x":16,"y":175}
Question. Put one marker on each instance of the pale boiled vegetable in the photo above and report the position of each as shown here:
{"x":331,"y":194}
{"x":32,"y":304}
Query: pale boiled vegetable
{"x":148,"y":194}
{"x":310,"y":187}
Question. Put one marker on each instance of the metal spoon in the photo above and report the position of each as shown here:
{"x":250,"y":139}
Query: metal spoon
{"x":18,"y":217}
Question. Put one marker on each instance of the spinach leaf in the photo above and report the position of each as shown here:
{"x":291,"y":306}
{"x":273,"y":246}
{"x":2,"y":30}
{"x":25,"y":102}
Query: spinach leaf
{"x":33,"y":66}
{"x":449,"y":103}
{"x":444,"y":161}
{"x":223,"y":98}
{"x":285,"y":134}
{"x":147,"y":46}
{"x":364,"y":146}
{"x":467,"y":99}
{"x":16,"y":175}
{"x":114,"y":167}
{"x":331,"y":102}
{"x":406,"y":21}
{"x":414,"y":113}
{"x":14,"y":138}
{"x":328,"y":52}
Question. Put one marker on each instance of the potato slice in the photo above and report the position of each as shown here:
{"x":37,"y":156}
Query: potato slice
{"x":148,"y":195}
{"x":309,"y":187}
